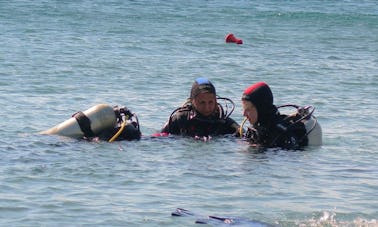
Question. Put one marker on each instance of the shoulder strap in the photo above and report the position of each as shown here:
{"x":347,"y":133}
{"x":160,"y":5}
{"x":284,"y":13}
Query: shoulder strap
{"x":84,"y":123}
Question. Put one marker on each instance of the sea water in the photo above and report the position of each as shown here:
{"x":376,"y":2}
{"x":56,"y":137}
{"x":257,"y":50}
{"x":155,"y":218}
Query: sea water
{"x":60,"y":57}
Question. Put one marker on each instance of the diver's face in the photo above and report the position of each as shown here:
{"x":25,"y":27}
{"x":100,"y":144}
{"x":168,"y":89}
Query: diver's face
{"x":205,"y":103}
{"x":250,"y":112}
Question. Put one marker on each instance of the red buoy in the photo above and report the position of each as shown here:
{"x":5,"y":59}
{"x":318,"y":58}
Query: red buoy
{"x":230,"y":38}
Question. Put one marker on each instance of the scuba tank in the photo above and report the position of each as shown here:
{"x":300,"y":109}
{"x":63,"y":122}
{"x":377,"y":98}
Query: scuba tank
{"x":313,"y":128}
{"x":86,"y":124}
{"x":314,"y":131}
{"x":100,"y":120}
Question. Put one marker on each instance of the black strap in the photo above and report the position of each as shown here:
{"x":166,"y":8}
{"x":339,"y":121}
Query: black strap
{"x":84,"y":123}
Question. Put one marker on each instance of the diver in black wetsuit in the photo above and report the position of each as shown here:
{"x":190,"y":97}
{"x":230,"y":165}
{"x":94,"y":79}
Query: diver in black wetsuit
{"x":268,"y":127}
{"x":201,"y":116}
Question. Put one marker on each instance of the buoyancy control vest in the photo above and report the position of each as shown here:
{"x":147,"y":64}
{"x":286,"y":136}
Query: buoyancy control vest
{"x":185,"y":120}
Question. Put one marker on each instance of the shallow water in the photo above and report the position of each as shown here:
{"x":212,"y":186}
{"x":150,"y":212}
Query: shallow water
{"x":57,"y":58}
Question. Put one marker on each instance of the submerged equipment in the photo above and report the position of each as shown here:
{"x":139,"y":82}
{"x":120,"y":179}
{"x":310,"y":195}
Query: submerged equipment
{"x":218,"y":220}
{"x":96,"y":121}
{"x":127,"y":125}
{"x":305,"y":116}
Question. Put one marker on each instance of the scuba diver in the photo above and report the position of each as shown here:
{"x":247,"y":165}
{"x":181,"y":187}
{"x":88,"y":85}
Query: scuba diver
{"x":270,"y":128}
{"x":201,"y":116}
{"x":100,"y":122}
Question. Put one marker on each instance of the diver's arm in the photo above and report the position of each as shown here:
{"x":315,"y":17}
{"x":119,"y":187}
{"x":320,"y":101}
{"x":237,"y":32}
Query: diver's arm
{"x":172,"y":126}
{"x":232,"y":125}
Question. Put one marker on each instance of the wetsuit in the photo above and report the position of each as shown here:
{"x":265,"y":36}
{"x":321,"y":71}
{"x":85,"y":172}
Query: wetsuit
{"x":278,"y":131}
{"x":187,"y":121}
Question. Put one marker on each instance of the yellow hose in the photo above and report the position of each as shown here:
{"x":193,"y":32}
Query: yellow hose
{"x":119,"y":131}
{"x":241,"y":127}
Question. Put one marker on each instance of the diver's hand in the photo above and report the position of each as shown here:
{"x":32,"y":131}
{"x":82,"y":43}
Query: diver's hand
{"x":203,"y":138}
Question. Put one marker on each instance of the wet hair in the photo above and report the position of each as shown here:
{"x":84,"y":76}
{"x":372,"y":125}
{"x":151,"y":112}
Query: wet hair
{"x":202,"y":85}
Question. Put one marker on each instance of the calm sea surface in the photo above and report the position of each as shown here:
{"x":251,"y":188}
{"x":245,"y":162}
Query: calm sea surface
{"x":59,"y":57}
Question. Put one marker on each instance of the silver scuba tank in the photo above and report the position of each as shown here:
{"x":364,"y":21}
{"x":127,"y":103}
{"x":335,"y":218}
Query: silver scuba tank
{"x":87,"y":123}
{"x":314,"y":131}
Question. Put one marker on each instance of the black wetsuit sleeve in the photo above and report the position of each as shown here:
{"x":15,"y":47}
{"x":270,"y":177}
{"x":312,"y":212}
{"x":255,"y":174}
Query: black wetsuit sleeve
{"x":165,"y":128}
{"x":231,"y":126}
{"x":173,"y":125}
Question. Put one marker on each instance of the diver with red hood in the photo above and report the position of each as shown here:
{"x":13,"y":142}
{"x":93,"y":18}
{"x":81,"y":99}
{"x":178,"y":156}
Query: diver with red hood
{"x":270,"y":128}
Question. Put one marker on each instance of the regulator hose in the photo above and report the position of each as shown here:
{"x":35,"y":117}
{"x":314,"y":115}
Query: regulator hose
{"x":119,"y":132}
{"x":241,"y":127}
